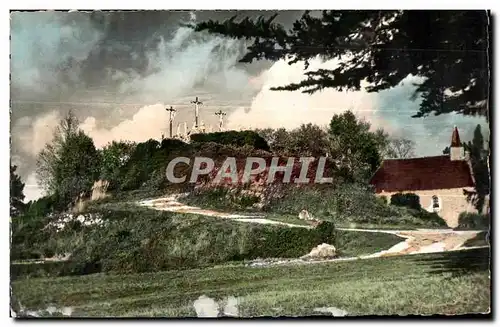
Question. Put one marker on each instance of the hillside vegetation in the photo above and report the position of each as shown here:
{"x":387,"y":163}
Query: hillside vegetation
{"x":134,"y":239}
{"x":114,"y":235}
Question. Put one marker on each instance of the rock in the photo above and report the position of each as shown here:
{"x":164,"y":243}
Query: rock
{"x":304,"y":215}
{"x":336,"y":312}
{"x":51,"y":310}
{"x":99,"y":190}
{"x":322,"y":251}
{"x":206,"y":307}
{"x":231,"y":307}
{"x":67,"y":311}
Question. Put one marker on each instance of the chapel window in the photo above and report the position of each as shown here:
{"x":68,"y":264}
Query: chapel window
{"x":435,"y":202}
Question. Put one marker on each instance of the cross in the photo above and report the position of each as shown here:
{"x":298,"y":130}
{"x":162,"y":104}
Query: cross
{"x":221,"y":115}
{"x":196,"y":103}
{"x":172,"y":114}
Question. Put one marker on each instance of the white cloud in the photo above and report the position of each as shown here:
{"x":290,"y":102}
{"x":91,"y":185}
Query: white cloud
{"x":289,"y":109}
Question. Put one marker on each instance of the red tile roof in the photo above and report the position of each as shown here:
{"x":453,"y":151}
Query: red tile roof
{"x":427,"y":173}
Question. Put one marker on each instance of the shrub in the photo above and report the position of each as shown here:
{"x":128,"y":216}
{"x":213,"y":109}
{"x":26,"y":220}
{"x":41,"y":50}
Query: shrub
{"x":235,"y":138}
{"x":35,"y":269}
{"x":350,"y":204}
{"x":163,"y":240}
{"x":327,"y":202}
{"x":43,"y":206}
{"x":431,"y":218}
{"x":410,"y":200}
{"x":27,"y":233}
{"x":469,"y":220}
{"x":147,"y":164}
{"x":114,"y":156}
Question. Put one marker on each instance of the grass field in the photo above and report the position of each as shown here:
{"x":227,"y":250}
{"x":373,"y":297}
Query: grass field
{"x":451,"y":283}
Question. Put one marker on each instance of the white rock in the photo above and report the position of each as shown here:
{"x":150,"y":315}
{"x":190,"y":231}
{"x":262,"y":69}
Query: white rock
{"x":67,"y":311}
{"x":51,"y":309}
{"x":206,"y":307}
{"x":231,"y":308}
{"x":322,"y":251}
{"x":336,"y":312}
{"x":304,"y":215}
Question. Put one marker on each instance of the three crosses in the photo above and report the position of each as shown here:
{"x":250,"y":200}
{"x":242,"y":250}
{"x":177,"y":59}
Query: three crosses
{"x":196,"y":103}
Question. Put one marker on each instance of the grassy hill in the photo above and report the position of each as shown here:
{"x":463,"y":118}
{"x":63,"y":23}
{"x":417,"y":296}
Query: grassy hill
{"x":135,"y":239}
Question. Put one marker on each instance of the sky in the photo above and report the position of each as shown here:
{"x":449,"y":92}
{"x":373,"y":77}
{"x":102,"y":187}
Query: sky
{"x":117,"y":71}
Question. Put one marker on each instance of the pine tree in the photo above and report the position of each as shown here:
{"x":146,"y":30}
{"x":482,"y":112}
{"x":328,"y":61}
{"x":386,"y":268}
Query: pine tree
{"x":16,"y":192}
{"x":448,"y":49}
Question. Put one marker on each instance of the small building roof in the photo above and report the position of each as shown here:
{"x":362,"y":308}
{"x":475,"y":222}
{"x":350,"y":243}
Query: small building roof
{"x":418,"y":174}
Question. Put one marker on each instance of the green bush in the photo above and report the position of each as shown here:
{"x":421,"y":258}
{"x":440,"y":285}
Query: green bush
{"x":38,"y":269}
{"x":27,"y":234}
{"x":350,"y":204}
{"x":328,"y":202}
{"x":431,"y":218}
{"x":468,"y":220}
{"x":410,"y":200}
{"x":163,"y":240}
{"x":235,"y":138}
{"x":43,"y":206}
{"x":148,"y":162}
{"x":114,"y":157}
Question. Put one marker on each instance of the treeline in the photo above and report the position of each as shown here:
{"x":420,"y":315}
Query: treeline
{"x":70,"y":164}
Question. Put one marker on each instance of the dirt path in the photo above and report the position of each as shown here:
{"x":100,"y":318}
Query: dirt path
{"x":417,"y":241}
{"x":171,"y":204}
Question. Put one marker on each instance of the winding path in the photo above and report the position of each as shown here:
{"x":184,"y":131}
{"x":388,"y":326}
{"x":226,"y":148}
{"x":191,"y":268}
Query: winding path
{"x":416,"y":241}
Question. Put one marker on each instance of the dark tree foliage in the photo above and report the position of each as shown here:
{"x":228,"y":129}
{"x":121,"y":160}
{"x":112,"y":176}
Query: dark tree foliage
{"x":43,"y":206}
{"x":114,"y":156}
{"x":147,"y":163}
{"x":16,"y":193}
{"x":78,"y":168}
{"x":400,"y":148}
{"x":410,"y":200}
{"x":448,"y":49}
{"x":479,"y":163}
{"x":353,"y":146}
{"x":478,"y":154}
{"x":307,"y":140}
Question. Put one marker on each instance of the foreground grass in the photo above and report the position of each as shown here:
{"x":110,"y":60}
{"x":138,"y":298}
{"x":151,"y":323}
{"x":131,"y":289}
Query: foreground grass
{"x":451,"y":283}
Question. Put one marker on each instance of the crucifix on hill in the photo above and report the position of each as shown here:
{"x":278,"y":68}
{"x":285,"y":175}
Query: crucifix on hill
{"x":196,"y":104}
{"x":172,"y":114}
{"x":221,"y":115}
